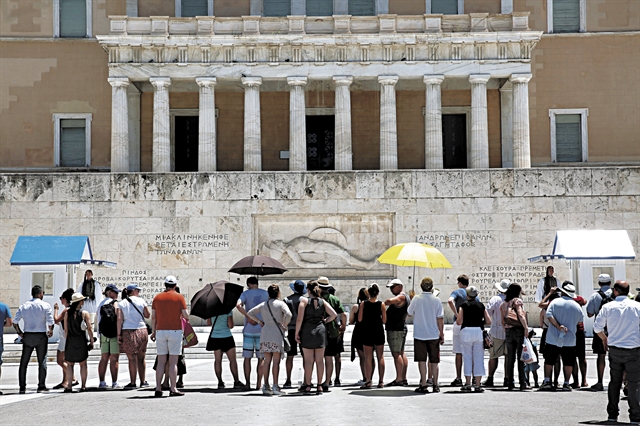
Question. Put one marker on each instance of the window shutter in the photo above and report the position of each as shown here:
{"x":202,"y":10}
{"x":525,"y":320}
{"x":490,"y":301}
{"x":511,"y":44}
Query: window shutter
{"x":72,"y":143}
{"x":362,"y":7}
{"x":566,"y":16}
{"x":277,"y":7}
{"x":73,"y":18}
{"x":192,"y":8}
{"x":319,"y":7}
{"x":568,"y":138}
{"x":446,"y":7}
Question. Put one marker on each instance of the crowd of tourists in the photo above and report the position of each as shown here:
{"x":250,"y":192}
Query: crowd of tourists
{"x":313,"y":320}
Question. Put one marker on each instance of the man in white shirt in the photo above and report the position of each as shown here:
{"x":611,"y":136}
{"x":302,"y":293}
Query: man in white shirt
{"x":428,"y":333}
{"x":622,"y":320}
{"x":497,"y":332}
{"x":38,"y":327}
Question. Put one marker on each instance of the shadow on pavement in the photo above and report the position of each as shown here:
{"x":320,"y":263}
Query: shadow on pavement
{"x":384,"y":392}
{"x":600,"y":422}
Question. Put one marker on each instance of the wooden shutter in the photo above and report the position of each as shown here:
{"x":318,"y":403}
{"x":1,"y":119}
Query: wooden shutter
{"x":73,"y":18}
{"x":568,"y":138}
{"x":319,"y":7}
{"x":362,"y":7}
{"x":72,"y":143}
{"x":566,"y":16}
{"x":276,"y":7}
{"x":192,"y":8}
{"x":446,"y":7}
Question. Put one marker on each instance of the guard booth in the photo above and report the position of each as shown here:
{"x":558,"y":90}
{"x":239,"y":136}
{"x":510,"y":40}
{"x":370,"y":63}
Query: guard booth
{"x":589,"y":254}
{"x":51,"y":262}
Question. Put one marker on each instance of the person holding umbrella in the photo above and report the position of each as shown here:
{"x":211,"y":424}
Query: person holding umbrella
{"x":274,"y":318}
{"x":248,"y":300}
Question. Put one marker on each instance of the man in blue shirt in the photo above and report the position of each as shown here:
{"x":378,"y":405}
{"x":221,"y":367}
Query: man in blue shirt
{"x":248,"y":300}
{"x":5,"y":318}
{"x":593,"y":307}
{"x":564,"y":314}
{"x":457,"y":298}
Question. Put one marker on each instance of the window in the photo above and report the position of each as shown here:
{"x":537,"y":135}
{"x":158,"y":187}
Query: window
{"x":72,"y":18}
{"x":193,"y":8}
{"x":319,"y":7}
{"x":276,"y":7}
{"x":566,"y":16}
{"x":569,"y":136}
{"x":44,"y":280}
{"x":362,"y":7}
{"x":72,"y":140}
{"x":446,"y":7}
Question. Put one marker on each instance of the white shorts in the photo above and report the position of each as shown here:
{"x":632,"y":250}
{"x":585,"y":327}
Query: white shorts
{"x":169,"y":342}
{"x":457,"y":348}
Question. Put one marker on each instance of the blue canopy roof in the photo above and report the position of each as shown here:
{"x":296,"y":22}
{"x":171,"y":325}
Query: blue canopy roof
{"x":51,"y":250}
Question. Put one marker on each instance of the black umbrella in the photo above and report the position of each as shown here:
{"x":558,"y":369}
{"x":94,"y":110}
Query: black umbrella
{"x":258,"y":265}
{"x":215,"y":299}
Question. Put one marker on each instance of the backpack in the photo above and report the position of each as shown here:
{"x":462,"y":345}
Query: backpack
{"x":605,"y":299}
{"x":108,"y":325}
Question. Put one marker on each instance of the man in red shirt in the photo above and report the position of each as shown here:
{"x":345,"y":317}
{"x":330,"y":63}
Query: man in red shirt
{"x":167,"y":310}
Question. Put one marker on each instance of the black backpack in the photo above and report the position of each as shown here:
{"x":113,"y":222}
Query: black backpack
{"x":605,"y":299}
{"x":108,"y":320}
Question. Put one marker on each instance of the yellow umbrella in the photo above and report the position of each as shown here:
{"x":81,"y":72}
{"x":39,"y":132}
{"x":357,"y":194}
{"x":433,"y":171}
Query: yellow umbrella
{"x":414,"y":254}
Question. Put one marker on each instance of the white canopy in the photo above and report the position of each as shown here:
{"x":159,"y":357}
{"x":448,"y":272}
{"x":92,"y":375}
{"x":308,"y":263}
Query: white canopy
{"x":593,"y":244}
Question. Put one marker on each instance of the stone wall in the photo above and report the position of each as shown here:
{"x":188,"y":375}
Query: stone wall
{"x":196,"y":225}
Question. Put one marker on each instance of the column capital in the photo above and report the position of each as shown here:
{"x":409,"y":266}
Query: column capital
{"x":206,"y":81}
{"x":520,"y":78}
{"x":343,"y":80}
{"x":251,"y":81}
{"x":297,"y":81}
{"x":479,"y":78}
{"x":433,"y":79}
{"x":160,"y":82}
{"x":389,"y":80}
{"x":119,"y":81}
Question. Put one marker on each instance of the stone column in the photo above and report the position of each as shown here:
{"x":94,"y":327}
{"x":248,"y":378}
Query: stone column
{"x":479,"y":122}
{"x":506,"y":124}
{"x":297,"y":124}
{"x":521,"y":142}
{"x":433,"y":123}
{"x":133,"y":95}
{"x":207,"y":125}
{"x":252,"y":136}
{"x":343,"y":148}
{"x":388,"y":127}
{"x":119,"y":124}
{"x":161,"y":125}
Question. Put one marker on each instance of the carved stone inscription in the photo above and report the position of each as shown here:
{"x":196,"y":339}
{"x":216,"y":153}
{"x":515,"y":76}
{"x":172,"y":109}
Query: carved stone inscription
{"x":336,"y":246}
{"x":150,"y":282}
{"x":189,"y":243}
{"x":458,"y":239}
{"x":527,"y":276}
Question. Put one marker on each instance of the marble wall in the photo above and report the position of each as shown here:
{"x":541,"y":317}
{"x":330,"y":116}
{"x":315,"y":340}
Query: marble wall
{"x":196,"y":225}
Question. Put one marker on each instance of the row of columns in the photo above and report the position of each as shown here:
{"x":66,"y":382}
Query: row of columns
{"x":479,"y":141}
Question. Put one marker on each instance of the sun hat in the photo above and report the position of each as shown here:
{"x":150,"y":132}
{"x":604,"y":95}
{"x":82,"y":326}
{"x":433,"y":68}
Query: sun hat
{"x":503,"y":285}
{"x":298,"y":286}
{"x":171,"y":280}
{"x":133,"y":286}
{"x":472,"y":291}
{"x":604,"y":278}
{"x":568,"y":289}
{"x":77,"y":297}
{"x":393,"y":282}
{"x":323,"y":282}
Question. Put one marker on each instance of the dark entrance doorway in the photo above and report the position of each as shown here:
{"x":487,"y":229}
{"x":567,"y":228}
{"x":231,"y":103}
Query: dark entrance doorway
{"x":321,"y":142}
{"x":186,"y":143}
{"x":454,"y":141}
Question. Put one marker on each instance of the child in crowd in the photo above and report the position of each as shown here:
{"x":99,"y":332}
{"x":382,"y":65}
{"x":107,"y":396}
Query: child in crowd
{"x":534,"y":366}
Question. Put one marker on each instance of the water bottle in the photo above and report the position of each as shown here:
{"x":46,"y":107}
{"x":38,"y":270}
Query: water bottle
{"x":561,"y":337}
{"x":299,"y":376}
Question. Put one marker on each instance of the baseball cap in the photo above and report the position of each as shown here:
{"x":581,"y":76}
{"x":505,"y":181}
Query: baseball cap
{"x":171,"y":280}
{"x":111,"y":287}
{"x":604,"y":278}
{"x":133,"y":286}
{"x":472,"y":291}
{"x":393,"y":282}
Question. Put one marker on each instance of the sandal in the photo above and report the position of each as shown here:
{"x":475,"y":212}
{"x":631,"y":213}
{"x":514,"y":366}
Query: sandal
{"x":466,"y":388}
{"x":319,"y":390}
{"x":306,"y":389}
{"x":367,"y":385}
{"x":380,"y":385}
{"x":395,"y":383}
{"x":176,"y":393}
{"x":422,"y":389}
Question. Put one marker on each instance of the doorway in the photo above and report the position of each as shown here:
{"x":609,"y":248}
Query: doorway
{"x":186,"y":143}
{"x":320,"y":142}
{"x":454,"y":141}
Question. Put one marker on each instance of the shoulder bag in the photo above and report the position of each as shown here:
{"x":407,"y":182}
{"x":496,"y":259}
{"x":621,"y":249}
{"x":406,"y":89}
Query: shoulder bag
{"x":285,"y":341}
{"x":511,"y":318}
{"x":149,"y":329}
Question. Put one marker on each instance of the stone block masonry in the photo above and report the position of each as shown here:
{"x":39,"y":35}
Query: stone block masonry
{"x":196,"y":225}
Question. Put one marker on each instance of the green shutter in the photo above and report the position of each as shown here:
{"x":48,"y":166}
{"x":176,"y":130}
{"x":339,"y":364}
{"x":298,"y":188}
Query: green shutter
{"x":192,"y":8}
{"x":72,"y":143}
{"x":319,"y":7}
{"x":566,"y":16}
{"x":277,"y":7}
{"x":73,"y":18}
{"x":446,"y":7}
{"x":568,"y":138}
{"x":362,"y":7}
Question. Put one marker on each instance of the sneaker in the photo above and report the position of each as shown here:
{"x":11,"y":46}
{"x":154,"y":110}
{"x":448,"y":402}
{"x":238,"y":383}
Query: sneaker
{"x":238,"y":385}
{"x":488,"y":383}
{"x":566,"y":387}
{"x":325,"y":387}
{"x":546,"y":387}
{"x":337,"y":383}
{"x":457,"y":382}
{"x":466,"y":388}
{"x":276,"y":390}
{"x":130,"y":386}
{"x":144,"y":384}
{"x":22,"y":390}
{"x":103,"y":385}
{"x":597,"y":387}
{"x":287,"y":384}
{"x":360,"y":382}
{"x":116,"y":385}
{"x":43,"y":389}
{"x":266,"y":390}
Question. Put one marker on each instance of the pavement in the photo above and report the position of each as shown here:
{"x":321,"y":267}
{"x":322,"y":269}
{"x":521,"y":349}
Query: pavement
{"x":345,"y":405}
